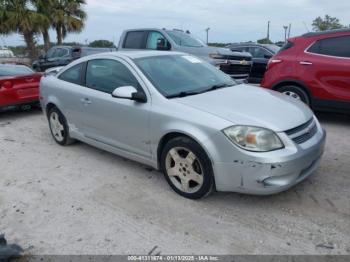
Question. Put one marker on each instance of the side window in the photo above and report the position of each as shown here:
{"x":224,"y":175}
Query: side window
{"x":61,"y":52}
{"x":134,"y":40}
{"x":51,"y":53}
{"x":72,"y":75}
{"x":106,"y":75}
{"x":336,"y":46}
{"x":153,"y":38}
{"x":258,"y":52}
{"x":238,"y":49}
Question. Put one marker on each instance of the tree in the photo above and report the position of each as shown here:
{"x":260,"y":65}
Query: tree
{"x":16,"y":16}
{"x":102,"y":43}
{"x":326,"y":23}
{"x":67,"y":16}
{"x":264,"y":41}
{"x":45,"y":8}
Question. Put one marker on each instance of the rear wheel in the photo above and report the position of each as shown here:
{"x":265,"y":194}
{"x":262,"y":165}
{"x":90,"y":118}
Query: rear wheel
{"x":187,"y":168}
{"x":295,"y":92}
{"x":59,"y":128}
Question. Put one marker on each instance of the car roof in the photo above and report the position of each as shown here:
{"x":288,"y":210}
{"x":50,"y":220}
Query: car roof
{"x":251,"y":44}
{"x":145,"y":29}
{"x":248,"y":43}
{"x":136,"y":54}
{"x":14,"y":65}
{"x":310,"y":34}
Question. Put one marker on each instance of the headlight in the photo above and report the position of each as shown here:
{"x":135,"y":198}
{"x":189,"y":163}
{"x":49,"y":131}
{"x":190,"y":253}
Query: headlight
{"x":254,"y":139}
{"x":216,"y":56}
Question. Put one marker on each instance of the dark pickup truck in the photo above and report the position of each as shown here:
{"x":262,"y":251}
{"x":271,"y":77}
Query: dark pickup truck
{"x":236,"y":64}
{"x":63,"y":55}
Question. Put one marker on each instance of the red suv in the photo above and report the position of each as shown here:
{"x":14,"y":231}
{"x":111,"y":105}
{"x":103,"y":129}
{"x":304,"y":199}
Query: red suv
{"x":314,"y":68}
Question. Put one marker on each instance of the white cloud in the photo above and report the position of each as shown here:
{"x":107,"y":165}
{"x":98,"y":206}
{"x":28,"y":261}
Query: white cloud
{"x":229,"y":20}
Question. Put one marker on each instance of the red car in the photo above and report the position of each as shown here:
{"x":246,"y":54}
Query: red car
{"x":314,"y":68}
{"x":19,"y":85}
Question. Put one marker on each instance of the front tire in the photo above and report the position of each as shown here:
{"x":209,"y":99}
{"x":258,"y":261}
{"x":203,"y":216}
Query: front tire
{"x":59,"y":127}
{"x":187,"y":168}
{"x":295,"y":92}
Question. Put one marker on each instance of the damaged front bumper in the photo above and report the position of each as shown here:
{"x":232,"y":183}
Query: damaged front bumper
{"x":272,"y":172}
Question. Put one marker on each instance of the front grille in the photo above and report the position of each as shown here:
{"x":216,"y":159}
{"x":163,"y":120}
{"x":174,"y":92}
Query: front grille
{"x":299,"y":128}
{"x":235,"y":69}
{"x":303,"y":133}
{"x":237,"y":58}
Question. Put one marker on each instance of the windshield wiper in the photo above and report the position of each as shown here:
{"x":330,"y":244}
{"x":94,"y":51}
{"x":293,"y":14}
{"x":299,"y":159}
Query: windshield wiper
{"x":215,"y":87}
{"x":183,"y":94}
{"x":211,"y":88}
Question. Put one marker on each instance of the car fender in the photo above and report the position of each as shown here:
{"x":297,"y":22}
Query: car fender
{"x":300,"y":83}
{"x":184,"y":128}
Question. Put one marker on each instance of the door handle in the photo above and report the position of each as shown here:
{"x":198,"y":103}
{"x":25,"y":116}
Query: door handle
{"x":85,"y":101}
{"x":305,"y":63}
{"x":29,"y":80}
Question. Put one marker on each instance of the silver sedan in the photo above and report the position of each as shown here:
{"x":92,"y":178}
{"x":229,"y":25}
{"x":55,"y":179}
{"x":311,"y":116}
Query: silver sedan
{"x":181,"y":115}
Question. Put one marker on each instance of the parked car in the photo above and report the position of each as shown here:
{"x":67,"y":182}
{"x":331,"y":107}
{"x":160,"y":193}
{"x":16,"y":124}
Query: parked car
{"x":235,"y":64}
{"x":177,"y":113}
{"x":261,"y":54}
{"x":19,"y":86}
{"x":6,"y":53}
{"x":314,"y":68}
{"x":62,"y":55}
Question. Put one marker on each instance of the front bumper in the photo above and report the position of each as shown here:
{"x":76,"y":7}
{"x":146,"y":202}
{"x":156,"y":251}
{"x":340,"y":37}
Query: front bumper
{"x":265,"y":176}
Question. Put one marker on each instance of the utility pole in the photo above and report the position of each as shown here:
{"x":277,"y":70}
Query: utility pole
{"x":290,"y":27}
{"x":285,"y":32}
{"x":268,"y":31}
{"x":207,"y":30}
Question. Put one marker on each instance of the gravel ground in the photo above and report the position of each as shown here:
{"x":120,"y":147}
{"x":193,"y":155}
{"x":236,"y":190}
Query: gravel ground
{"x":81,"y":200}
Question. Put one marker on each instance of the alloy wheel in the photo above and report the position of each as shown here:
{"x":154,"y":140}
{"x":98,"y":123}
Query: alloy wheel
{"x":184,"y":169}
{"x":57,"y":127}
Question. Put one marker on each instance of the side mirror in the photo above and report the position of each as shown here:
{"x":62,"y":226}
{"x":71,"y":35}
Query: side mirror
{"x":267,"y":56}
{"x":162,"y":44}
{"x":53,"y":71}
{"x":129,"y":92}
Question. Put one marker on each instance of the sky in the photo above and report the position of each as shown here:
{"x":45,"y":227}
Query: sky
{"x":228,"y":20}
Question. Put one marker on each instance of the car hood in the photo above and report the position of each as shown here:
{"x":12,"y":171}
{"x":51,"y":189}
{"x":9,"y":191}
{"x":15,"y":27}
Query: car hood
{"x":226,"y":52}
{"x":204,"y":52}
{"x":254,"y":106}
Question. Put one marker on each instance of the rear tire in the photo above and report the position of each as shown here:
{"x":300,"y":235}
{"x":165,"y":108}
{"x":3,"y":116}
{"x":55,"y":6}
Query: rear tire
{"x":296,"y":92}
{"x":187,"y":168}
{"x":59,"y":127}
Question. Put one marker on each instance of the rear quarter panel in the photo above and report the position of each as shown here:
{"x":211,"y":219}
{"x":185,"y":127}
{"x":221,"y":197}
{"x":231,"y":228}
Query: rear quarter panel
{"x":25,"y":89}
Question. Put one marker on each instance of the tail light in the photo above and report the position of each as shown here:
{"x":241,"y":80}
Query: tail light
{"x":272,"y":62}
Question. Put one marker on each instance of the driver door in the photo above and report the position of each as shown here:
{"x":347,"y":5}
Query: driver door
{"x":260,"y":60}
{"x":157,"y":41}
{"x":49,"y":59}
{"x":120,"y":123}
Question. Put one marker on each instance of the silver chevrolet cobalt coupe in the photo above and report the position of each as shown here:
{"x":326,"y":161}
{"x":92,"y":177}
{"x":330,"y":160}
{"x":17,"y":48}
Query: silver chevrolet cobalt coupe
{"x":183,"y":116}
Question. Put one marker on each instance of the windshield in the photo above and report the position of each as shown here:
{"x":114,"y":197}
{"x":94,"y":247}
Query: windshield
{"x":181,"y":75}
{"x":273,"y":48}
{"x":13,"y":70}
{"x":184,"y":39}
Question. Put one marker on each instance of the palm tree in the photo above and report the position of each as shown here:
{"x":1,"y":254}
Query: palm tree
{"x":17,"y":16}
{"x":45,"y":8}
{"x":68,"y":16}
